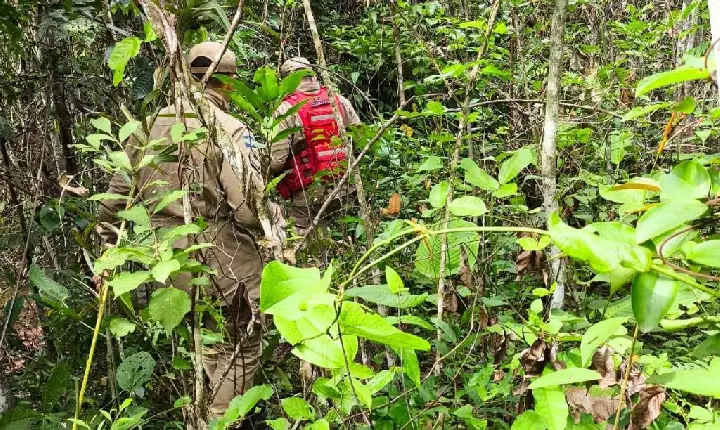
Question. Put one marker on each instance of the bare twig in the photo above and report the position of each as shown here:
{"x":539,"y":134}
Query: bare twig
{"x":225,"y":42}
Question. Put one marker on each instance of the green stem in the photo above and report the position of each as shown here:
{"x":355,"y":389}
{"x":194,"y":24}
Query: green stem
{"x":687,"y":280}
{"x":675,"y":325}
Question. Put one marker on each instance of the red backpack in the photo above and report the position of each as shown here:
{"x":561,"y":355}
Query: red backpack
{"x":319,"y":154}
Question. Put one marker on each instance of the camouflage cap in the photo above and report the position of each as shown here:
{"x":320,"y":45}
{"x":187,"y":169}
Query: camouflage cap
{"x":294,"y":64}
{"x":210,"y":50}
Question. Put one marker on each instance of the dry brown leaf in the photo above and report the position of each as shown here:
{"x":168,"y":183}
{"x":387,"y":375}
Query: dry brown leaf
{"x":79,"y":191}
{"x":533,"y":359}
{"x":556,"y":364}
{"x":648,"y":408}
{"x":498,"y":375}
{"x":603,"y":362}
{"x":393,"y":208}
{"x":581,"y":402}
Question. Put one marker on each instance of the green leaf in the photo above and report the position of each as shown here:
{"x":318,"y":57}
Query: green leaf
{"x":128,"y":129}
{"x":177,"y":131}
{"x":696,"y":381}
{"x":290,"y":83}
{"x":167,"y":199}
{"x":46,"y":285}
{"x":395,"y":282}
{"x":467,"y":414}
{"x":505,"y":190}
{"x":596,"y":336}
{"x":639,"y":111}
{"x":410,"y":364}
{"x":532,"y":244}
{"x":667,"y":216}
{"x":56,"y":386}
{"x":410,"y":319}
{"x":268,"y":89}
{"x":321,"y":424}
{"x":478,"y":177}
{"x":428,"y":253}
{"x":663,"y":79}
{"x":164,"y":269}
{"x":241,"y":405}
{"x":431,"y":163}
{"x":354,"y":320}
{"x":686,"y":105}
{"x":120,"y":160}
{"x":138,"y":215}
{"x":652,"y":297}
{"x":709,"y":347}
{"x":128,"y":281}
{"x":150,"y":35}
{"x":326,"y":352}
{"x":529,"y":420}
{"x":439,"y":194}
{"x":103,"y":124}
{"x":434,"y":108}
{"x":121,"y":327}
{"x":168,"y":306}
{"x":278,"y":424}
{"x":617,"y":278}
{"x":467,"y":206}
{"x":382,"y":295}
{"x":135,"y":371}
{"x":279,"y":281}
{"x":688,"y":180}
{"x":107,"y":196}
{"x":550,"y":404}
{"x":182,"y":401}
{"x":297,"y":408}
{"x":123,"y":51}
{"x":706,"y":253}
{"x":510,"y":168}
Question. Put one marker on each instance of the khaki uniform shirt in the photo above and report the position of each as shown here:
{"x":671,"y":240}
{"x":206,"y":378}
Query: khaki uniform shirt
{"x":215,"y":194}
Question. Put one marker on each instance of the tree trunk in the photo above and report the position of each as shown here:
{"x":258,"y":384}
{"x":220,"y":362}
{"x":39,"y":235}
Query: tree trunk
{"x":548,"y":156}
{"x":714,"y":8}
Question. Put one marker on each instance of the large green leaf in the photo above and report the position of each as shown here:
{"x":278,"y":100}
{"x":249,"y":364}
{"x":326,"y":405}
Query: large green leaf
{"x":617,"y":278}
{"x":706,"y":253}
{"x":290,"y":83}
{"x":478,"y":177}
{"x":139,"y":216}
{"x":297,"y":408}
{"x":667,"y":216}
{"x":439,"y":194}
{"x":663,"y":79}
{"x":168,"y":306}
{"x":128,"y":281}
{"x":123,"y":51}
{"x":395,"y":282}
{"x":381,"y":295}
{"x":268,"y":89}
{"x":467,"y":206}
{"x":431,"y":163}
{"x":652,"y":296}
{"x":529,"y":420}
{"x":696,"y":381}
{"x":515,"y":164}
{"x":550,"y":403}
{"x":427,"y":255}
{"x":279,"y":281}
{"x":46,"y":285}
{"x":164,"y":269}
{"x":709,"y":347}
{"x":639,"y":111}
{"x":596,"y":336}
{"x":570,"y":375}
{"x":410,"y":364}
{"x":121,"y":327}
{"x":326,"y":352}
{"x":354,"y":320}
{"x":688,"y":180}
{"x":135,"y":371}
{"x":241,"y":405}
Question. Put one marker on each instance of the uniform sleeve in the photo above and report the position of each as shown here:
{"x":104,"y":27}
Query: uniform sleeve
{"x":349,"y":115}
{"x":280,"y":150}
{"x":233,"y":186}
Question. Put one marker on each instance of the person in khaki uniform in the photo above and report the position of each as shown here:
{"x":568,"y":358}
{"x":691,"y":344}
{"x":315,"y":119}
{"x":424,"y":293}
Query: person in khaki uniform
{"x":217,"y":195}
{"x":307,"y":201}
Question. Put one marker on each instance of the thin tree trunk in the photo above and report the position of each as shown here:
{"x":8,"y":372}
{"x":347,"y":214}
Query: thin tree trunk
{"x":548,"y":156}
{"x":398,"y":61}
{"x":65,"y":121}
{"x":714,"y":8}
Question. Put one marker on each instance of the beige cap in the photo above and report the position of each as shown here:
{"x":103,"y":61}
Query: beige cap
{"x":210,"y":50}
{"x":294,"y":64}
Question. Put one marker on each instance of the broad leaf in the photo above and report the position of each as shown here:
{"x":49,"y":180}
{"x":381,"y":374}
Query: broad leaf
{"x":382,"y":295}
{"x":164,"y":269}
{"x":135,"y":371}
{"x":410,"y":365}
{"x":279,"y":281}
{"x":570,"y":375}
{"x":667,"y":216}
{"x":128,"y":281}
{"x":439,"y":194}
{"x":706,"y":253}
{"x":596,"y":336}
{"x":395,"y":282}
{"x":467,"y":206}
{"x":268,"y":89}
{"x":529,"y":420}
{"x":168,"y":306}
{"x":478,"y":177}
{"x":128,"y":129}
{"x":139,"y":216}
{"x":354,"y":320}
{"x":688,"y":180}
{"x":241,"y":405}
{"x":123,"y":51}
{"x":326,"y":352}
{"x":663,"y":79}
{"x":431,"y":163}
{"x":290,"y":83}
{"x":515,"y":164}
{"x":46,"y":285}
{"x":427,"y":255}
{"x":103,"y":124}
{"x":652,"y":296}
{"x":550,"y":403}
{"x":167,"y":199}
{"x":709,"y":347}
{"x":644,"y":110}
{"x":696,"y":381}
{"x":297,"y":408}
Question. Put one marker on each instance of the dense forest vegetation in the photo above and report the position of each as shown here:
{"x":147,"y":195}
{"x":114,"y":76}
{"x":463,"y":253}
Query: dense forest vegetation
{"x":532,"y":241}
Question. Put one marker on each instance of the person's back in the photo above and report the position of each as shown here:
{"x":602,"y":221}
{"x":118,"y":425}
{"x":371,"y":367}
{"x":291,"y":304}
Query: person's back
{"x":314,"y":131}
{"x":216,"y":195}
